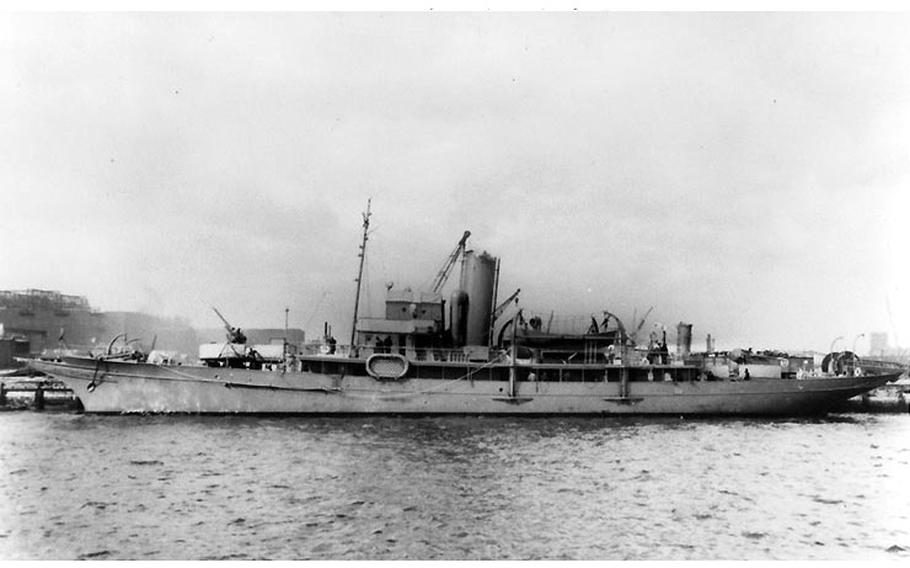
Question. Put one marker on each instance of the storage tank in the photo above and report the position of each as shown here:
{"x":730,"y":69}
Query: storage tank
{"x":477,"y":280}
{"x":458,"y":317}
{"x":684,"y":339}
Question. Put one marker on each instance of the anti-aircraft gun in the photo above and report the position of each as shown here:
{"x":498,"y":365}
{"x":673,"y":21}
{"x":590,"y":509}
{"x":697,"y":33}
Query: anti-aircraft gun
{"x":234,"y":335}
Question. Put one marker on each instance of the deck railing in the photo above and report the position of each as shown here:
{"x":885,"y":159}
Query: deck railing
{"x":581,"y":356}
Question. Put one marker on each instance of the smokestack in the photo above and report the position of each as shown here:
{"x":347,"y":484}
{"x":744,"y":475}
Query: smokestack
{"x":683,"y":339}
{"x":478,"y":280}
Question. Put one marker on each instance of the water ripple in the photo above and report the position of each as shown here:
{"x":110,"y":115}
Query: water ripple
{"x":382,"y":488}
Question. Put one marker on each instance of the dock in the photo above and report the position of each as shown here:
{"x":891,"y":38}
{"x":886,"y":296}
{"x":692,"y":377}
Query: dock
{"x":892,"y":398}
{"x":36,"y":393}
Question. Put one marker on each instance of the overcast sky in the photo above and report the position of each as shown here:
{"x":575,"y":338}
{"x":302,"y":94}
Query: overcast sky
{"x":747,"y":173}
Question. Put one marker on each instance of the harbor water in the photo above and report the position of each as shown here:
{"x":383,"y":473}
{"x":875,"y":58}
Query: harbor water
{"x":77,"y":486}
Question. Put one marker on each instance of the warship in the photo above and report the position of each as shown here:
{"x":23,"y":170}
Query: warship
{"x":470,"y":354}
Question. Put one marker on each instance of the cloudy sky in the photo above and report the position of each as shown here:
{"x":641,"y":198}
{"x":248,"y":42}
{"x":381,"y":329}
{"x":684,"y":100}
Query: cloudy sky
{"x":747,"y":173}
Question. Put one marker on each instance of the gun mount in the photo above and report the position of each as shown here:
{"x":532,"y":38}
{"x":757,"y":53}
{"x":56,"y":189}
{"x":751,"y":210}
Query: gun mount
{"x":234,"y":335}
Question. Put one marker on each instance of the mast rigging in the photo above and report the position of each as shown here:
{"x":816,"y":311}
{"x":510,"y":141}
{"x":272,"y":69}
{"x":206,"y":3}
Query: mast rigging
{"x":362,"y":255}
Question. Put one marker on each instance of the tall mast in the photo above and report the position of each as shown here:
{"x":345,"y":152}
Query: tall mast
{"x":362,"y":254}
{"x":286,"y":310}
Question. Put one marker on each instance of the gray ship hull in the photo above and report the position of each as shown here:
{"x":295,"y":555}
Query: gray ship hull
{"x":125,"y":387}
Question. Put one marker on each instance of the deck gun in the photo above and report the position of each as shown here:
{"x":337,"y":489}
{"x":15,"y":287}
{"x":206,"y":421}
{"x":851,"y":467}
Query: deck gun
{"x":234,"y":335}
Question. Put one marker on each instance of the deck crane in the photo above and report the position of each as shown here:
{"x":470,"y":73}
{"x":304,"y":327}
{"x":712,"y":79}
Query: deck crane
{"x":443,"y":274}
{"x":634,"y":335}
{"x":502,"y":307}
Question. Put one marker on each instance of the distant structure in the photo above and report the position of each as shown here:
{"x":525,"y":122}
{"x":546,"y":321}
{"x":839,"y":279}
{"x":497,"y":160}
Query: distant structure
{"x":878,"y":343}
{"x":36,"y":320}
{"x":880,"y":347}
{"x":41,"y":317}
{"x":10,"y":348}
{"x":32,"y":321}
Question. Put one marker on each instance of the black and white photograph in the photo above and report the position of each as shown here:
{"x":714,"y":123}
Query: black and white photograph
{"x":444,"y":282}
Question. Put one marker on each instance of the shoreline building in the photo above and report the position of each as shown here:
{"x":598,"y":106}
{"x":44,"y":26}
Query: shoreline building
{"x":880,"y":348}
{"x":33,"y":320}
{"x":46,"y":319}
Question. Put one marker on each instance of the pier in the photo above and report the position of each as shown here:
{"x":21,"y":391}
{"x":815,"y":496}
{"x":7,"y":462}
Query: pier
{"x":36,"y":393}
{"x":892,"y":398}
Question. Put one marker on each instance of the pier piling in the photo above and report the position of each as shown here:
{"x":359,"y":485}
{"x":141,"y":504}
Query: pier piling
{"x":39,"y":397}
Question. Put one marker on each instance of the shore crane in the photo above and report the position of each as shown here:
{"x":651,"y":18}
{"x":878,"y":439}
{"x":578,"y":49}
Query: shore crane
{"x":443,"y":275}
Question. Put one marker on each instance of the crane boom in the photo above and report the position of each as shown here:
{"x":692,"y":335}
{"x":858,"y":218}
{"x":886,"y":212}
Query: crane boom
{"x":443,"y":275}
{"x":501,"y":307}
{"x":643,"y":318}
